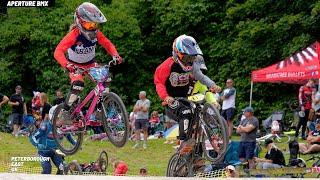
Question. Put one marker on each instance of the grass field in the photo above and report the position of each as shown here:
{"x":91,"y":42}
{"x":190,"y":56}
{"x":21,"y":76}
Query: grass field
{"x":154,"y":158}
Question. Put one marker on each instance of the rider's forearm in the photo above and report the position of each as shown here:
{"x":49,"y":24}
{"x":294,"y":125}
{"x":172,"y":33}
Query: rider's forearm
{"x":198,"y":75}
{"x":106,"y":44}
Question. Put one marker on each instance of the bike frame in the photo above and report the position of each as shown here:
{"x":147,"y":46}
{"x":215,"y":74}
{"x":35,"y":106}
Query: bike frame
{"x":95,"y":95}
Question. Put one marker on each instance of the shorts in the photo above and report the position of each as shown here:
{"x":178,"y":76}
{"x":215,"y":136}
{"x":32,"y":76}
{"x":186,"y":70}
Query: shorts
{"x":16,"y":118}
{"x":141,"y":124}
{"x":228,"y":114}
{"x":246,"y":150}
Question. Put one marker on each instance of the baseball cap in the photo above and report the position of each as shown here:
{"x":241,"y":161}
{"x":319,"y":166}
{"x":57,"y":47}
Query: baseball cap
{"x":230,"y":167}
{"x":248,"y":109}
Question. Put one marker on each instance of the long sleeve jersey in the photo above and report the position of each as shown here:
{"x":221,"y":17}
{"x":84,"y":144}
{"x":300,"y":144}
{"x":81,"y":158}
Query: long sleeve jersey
{"x":79,"y":49}
{"x":171,"y":80}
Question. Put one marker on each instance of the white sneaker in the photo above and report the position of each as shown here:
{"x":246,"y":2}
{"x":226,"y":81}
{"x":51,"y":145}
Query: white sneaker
{"x":144,"y":146}
{"x":135,"y":146}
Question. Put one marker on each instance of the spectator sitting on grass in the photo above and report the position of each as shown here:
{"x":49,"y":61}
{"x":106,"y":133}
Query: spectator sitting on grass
{"x":143,"y":171}
{"x":273,"y":159}
{"x":154,"y":120}
{"x":231,"y":171}
{"x":313,"y":141}
{"x":120,"y":168}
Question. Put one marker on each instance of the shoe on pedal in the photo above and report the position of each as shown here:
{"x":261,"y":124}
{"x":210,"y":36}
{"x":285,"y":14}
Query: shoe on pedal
{"x":187,"y":146}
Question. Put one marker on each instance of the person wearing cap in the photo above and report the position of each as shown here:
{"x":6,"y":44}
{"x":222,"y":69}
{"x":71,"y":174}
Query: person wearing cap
{"x":18,"y":109}
{"x":313,"y":141}
{"x":142,"y":109}
{"x":230,"y":171}
{"x":306,"y":96}
{"x":273,"y":159}
{"x":248,"y":129}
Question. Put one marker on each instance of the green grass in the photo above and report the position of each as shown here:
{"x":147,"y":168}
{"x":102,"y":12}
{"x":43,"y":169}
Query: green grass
{"x":155,"y":157}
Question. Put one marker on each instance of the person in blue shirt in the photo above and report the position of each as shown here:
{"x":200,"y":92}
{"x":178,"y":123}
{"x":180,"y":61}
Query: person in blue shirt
{"x":42,"y":139}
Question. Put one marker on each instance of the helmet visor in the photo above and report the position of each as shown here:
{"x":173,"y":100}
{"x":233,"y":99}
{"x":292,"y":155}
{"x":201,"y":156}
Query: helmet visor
{"x":90,"y":26}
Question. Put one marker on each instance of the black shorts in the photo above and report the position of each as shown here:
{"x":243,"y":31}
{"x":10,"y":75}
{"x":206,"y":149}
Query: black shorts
{"x":228,"y":114}
{"x":246,"y":150}
{"x":16,"y":118}
{"x":141,"y":124}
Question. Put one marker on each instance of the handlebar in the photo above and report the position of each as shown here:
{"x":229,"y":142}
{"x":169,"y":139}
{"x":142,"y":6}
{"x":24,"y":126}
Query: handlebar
{"x":81,"y":70}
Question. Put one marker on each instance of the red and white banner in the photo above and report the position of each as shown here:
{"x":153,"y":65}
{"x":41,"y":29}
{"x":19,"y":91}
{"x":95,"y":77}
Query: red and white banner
{"x":295,"y":69}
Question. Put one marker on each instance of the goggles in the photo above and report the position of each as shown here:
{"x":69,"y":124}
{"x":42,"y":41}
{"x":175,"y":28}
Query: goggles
{"x":90,"y":26}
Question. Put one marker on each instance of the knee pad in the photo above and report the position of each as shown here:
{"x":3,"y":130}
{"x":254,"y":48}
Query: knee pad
{"x":77,"y":87}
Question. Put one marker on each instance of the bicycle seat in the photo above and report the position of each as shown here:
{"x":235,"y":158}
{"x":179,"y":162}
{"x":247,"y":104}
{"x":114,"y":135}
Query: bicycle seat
{"x":197,"y":98}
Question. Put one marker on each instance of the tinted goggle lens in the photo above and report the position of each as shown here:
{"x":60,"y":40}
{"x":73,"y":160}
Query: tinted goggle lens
{"x":89,"y":26}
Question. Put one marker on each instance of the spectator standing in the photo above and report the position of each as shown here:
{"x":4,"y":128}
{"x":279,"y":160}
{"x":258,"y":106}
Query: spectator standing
{"x":18,"y":109}
{"x":45,"y":106}
{"x":229,"y":104}
{"x":3,"y":100}
{"x":248,"y":130}
{"x":59,"y":98}
{"x":306,"y":96}
{"x":142,"y":109}
{"x":273,"y":159}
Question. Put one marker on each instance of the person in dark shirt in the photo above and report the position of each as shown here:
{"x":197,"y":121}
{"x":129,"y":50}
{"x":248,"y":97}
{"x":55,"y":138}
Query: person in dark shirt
{"x":59,"y":98}
{"x":45,"y":106}
{"x":18,"y":109}
{"x":273,"y":159}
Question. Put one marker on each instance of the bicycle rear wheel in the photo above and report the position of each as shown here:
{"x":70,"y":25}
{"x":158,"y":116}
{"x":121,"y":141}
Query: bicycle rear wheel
{"x":215,"y":139}
{"x":115,"y":121}
{"x":67,"y":137}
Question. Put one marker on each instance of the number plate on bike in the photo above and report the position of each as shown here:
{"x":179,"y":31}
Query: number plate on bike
{"x":99,"y":74}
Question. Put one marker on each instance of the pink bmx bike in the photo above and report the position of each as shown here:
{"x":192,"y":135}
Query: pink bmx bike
{"x":69,"y":126}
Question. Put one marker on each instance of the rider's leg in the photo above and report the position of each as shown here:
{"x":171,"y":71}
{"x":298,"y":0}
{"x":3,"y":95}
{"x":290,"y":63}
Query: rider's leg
{"x":77,"y":85}
{"x":57,"y":161}
{"x":183,"y":114}
{"x":46,"y":165}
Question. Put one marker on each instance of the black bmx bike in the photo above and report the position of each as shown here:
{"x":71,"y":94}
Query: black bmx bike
{"x":208,"y":130}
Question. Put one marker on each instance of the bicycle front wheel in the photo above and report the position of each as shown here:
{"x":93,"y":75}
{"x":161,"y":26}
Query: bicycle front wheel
{"x":67,"y":137}
{"x":216,"y":138}
{"x":115,"y":121}
{"x":178,"y":166}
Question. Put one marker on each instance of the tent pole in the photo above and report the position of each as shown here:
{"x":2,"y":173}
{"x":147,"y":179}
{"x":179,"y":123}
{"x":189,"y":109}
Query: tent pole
{"x":251,"y":93}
